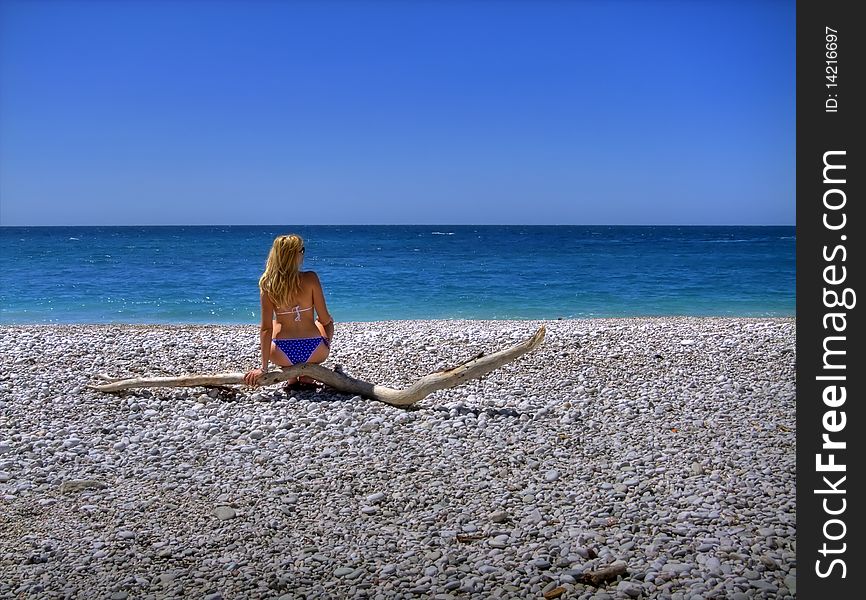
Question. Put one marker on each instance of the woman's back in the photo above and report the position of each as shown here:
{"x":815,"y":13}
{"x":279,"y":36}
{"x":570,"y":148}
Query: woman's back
{"x":298,"y":319}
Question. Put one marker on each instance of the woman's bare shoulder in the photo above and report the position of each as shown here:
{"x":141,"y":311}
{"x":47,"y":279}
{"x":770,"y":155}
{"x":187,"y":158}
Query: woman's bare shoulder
{"x":309,"y":280}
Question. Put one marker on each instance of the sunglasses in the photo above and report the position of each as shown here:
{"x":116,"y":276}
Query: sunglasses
{"x":303,"y":250}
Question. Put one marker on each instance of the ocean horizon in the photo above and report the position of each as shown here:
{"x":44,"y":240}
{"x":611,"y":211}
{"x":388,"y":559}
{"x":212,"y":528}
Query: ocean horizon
{"x":209,"y":274}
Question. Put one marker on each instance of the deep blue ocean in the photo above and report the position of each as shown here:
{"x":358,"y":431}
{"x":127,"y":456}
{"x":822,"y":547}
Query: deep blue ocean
{"x":375,"y":273}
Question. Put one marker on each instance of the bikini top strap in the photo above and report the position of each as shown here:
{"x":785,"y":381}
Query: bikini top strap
{"x":297,"y":310}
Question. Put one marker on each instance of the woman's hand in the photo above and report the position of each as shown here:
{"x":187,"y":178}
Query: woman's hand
{"x":252,"y":377}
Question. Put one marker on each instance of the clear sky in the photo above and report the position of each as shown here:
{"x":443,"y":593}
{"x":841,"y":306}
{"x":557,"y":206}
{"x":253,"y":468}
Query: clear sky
{"x":266,"y":112}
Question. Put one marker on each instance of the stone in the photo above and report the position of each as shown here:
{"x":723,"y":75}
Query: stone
{"x":541,"y":563}
{"x":375,"y":498}
{"x":78,"y":485}
{"x":499,"y":516}
{"x":765,"y":586}
{"x":224,"y":513}
{"x":629,"y":588}
{"x":676,"y":568}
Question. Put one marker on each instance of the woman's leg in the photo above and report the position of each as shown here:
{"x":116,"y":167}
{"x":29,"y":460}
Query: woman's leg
{"x":277,"y":356}
{"x":280,"y":359}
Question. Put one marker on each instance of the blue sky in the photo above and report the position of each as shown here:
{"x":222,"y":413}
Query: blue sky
{"x":545,"y":112}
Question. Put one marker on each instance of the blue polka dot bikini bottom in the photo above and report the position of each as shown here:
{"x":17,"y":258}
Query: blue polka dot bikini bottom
{"x":300,"y":350}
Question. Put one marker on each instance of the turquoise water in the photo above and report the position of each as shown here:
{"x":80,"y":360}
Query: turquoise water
{"x":372,"y":273}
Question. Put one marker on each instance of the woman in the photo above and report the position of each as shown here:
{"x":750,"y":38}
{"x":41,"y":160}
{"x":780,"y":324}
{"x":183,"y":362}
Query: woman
{"x":291,"y":334}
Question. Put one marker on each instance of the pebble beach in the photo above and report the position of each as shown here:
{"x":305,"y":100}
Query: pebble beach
{"x":665,"y":446}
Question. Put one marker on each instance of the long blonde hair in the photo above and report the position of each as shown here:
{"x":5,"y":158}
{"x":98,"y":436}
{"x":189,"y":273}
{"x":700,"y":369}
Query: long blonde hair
{"x":281,"y":280}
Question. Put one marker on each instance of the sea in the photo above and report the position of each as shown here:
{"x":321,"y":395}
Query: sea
{"x":209,"y":274}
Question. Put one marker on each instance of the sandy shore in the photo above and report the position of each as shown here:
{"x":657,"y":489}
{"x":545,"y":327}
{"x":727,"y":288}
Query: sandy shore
{"x":664,"y":443}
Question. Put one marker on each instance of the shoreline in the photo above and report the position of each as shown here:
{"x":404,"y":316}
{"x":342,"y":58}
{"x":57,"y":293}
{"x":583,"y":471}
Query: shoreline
{"x":664,"y":442}
{"x":405,"y":321}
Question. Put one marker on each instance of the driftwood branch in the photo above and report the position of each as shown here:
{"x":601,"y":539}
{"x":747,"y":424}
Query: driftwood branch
{"x":440,"y":380}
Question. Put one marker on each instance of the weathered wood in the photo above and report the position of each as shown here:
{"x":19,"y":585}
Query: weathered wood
{"x":440,"y":380}
{"x":604,"y":575}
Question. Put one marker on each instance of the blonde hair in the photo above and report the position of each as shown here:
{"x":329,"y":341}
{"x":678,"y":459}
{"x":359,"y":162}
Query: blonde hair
{"x":281,"y":280}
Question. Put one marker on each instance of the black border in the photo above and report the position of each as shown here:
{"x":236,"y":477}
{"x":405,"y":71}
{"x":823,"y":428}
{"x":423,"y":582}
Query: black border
{"x":819,"y":131}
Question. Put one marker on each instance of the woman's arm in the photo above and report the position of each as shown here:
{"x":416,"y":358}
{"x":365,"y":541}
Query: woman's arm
{"x":267,"y":330}
{"x":265,"y":337}
{"x":324,"y":316}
